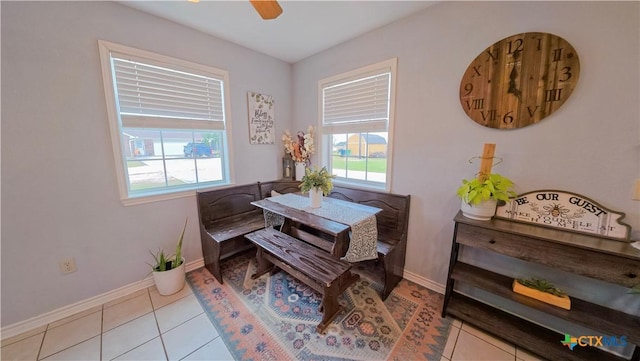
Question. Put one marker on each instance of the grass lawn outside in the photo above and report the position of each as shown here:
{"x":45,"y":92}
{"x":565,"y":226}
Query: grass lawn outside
{"x":374,"y":165}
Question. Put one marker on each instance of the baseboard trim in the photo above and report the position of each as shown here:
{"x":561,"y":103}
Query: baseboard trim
{"x":66,"y":311}
{"x":424,"y":282}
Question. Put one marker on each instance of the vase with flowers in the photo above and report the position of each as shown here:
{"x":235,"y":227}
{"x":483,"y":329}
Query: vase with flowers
{"x":300,"y":148}
{"x":317,"y":183}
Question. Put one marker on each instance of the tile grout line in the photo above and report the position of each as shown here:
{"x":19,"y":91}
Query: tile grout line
{"x":44,"y":334}
{"x":489,"y":342}
{"x":455,"y":344}
{"x":155,"y":317}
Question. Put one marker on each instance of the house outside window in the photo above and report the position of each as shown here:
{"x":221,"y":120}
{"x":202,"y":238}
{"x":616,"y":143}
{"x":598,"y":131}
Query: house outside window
{"x":356,"y":122}
{"x":169,"y":123}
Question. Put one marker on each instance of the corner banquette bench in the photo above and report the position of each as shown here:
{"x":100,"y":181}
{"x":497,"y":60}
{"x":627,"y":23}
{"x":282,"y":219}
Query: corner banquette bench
{"x":226,"y":216}
{"x":393,"y":225}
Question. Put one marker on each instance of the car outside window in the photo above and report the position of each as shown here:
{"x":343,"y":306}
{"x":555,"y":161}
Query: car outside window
{"x":168,"y":123}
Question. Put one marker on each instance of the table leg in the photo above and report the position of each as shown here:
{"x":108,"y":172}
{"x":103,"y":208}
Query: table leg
{"x":341,"y":244}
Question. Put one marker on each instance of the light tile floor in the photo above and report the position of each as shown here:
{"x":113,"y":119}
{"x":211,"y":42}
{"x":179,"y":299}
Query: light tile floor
{"x":147,"y":326}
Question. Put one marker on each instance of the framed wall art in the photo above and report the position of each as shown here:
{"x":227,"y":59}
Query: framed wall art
{"x":261,"y":118}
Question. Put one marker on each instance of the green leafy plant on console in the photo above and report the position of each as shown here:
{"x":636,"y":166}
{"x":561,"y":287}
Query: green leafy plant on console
{"x":496,"y":186}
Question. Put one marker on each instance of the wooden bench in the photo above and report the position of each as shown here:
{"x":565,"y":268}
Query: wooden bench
{"x":392,"y":222}
{"x":316,"y":268}
{"x":280,"y":186}
{"x":226,"y":215}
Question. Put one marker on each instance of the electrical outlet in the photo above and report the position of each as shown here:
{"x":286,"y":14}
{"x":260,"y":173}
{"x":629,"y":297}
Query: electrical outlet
{"x":67,"y":266}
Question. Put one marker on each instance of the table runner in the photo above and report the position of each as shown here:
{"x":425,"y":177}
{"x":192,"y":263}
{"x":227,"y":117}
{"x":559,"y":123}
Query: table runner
{"x":364,"y":229}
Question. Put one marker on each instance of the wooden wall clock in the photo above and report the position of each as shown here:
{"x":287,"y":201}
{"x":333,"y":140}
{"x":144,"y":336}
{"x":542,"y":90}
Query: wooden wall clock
{"x":519,"y":80}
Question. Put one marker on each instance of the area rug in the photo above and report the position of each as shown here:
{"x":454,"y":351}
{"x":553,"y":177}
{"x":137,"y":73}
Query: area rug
{"x":275,"y":317}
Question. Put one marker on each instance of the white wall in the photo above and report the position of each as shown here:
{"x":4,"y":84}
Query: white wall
{"x":59,"y":195}
{"x":590,"y":146}
{"x":59,"y":192}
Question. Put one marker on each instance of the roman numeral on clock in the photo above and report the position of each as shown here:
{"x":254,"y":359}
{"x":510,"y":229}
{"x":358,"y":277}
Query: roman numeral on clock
{"x":553,"y":95}
{"x":475,"y":104}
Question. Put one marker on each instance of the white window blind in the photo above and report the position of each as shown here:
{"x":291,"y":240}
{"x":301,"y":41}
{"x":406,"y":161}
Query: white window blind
{"x":168,"y":122}
{"x":151,"y":96}
{"x":363,"y":100}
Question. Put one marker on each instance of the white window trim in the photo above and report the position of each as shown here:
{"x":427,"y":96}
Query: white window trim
{"x":106,"y":48}
{"x":392,"y":65}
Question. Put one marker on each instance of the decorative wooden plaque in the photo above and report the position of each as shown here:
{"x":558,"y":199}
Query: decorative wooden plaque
{"x":261,"y":118}
{"x":567,"y":211}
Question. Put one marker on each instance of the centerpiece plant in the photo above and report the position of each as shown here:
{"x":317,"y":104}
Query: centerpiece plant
{"x":317,"y":182}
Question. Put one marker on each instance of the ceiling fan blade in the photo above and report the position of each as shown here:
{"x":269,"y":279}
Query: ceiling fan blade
{"x":268,"y":9}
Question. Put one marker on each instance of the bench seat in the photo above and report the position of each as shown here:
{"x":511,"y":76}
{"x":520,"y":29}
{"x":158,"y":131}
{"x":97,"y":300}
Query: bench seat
{"x":226,"y":215}
{"x":321,"y":271}
{"x":236,"y":226}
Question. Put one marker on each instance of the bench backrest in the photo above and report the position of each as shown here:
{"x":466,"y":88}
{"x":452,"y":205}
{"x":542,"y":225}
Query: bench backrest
{"x":393,"y":220}
{"x":280,"y":186}
{"x":218,"y":204}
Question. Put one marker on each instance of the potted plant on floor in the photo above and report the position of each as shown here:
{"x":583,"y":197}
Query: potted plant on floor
{"x":481,"y":195}
{"x":317,"y":183}
{"x":168,"y":271}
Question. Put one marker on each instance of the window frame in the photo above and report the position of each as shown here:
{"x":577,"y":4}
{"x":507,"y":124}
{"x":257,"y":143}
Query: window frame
{"x":326,"y":132}
{"x":116,"y":125}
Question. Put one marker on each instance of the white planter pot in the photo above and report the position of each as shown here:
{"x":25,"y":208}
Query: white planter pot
{"x":171,"y":281}
{"x":481,"y":212}
{"x":316,"y":197}
{"x":300,"y":168}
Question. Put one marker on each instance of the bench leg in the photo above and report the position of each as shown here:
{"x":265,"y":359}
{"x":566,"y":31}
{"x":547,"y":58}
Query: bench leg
{"x":393,"y":265}
{"x":329,"y":306}
{"x":263,"y":264}
{"x":211,"y":252}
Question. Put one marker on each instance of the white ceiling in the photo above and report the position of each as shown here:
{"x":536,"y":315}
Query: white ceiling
{"x":303,"y":29}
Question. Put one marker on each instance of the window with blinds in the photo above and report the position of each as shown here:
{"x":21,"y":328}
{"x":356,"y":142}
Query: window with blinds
{"x":356,"y":111}
{"x":360,"y":101}
{"x":168,"y":123}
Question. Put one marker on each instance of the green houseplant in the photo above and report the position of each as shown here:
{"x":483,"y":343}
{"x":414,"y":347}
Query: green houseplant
{"x":542,"y":290}
{"x":317,"y":182}
{"x":480,"y":195}
{"x":168,"y":271}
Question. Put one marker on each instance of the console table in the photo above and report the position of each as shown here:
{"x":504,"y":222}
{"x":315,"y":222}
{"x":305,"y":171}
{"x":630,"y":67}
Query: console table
{"x":595,"y":257}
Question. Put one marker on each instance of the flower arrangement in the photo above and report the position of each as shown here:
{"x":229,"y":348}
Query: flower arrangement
{"x":301,"y":148}
{"x":317,"y":179}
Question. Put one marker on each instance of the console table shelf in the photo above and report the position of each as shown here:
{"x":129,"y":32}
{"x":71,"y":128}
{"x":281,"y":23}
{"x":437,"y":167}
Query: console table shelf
{"x":618,"y":263}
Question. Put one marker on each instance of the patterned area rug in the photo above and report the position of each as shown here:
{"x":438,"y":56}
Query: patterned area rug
{"x":275,"y":317}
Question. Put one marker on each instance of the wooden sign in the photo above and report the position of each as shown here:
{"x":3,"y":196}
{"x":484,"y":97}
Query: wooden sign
{"x":567,"y":211}
{"x":261,"y":118}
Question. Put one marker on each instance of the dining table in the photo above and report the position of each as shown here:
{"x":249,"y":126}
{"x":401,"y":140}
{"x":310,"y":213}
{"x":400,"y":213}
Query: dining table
{"x":347,"y":230}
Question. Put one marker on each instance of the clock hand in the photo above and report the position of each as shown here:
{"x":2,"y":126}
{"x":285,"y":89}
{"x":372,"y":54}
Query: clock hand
{"x":512,"y":79}
{"x":513,"y":90}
